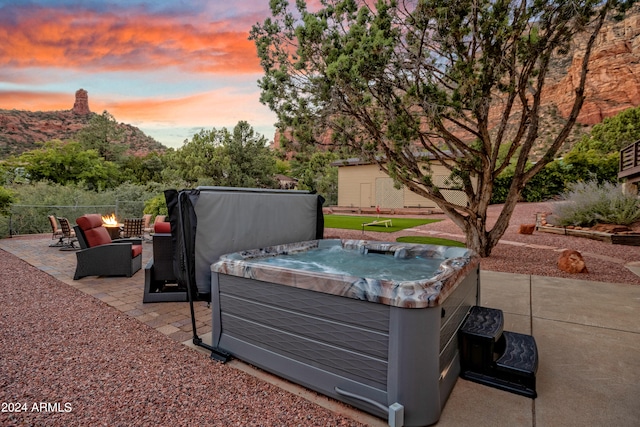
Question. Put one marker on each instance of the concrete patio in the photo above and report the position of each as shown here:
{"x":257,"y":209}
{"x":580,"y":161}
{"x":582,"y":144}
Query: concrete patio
{"x":588,"y":337}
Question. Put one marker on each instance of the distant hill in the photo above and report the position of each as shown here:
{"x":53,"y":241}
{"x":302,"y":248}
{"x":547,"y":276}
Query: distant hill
{"x":21,"y":130}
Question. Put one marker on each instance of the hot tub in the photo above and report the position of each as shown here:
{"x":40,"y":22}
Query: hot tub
{"x":384,"y":344}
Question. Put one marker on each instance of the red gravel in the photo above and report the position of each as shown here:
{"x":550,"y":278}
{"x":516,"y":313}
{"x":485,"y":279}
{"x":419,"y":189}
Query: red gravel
{"x":92,"y":365}
{"x":604,"y":261}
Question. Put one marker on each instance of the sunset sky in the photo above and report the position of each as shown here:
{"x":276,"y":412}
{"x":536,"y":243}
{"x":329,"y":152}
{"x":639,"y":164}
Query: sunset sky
{"x":167,"y":67}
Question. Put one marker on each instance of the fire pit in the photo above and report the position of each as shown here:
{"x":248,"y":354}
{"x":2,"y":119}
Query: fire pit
{"x":111,"y":224}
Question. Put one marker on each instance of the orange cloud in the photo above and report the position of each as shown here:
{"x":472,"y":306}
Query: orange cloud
{"x":26,"y":100}
{"x":85,"y":39}
{"x":213,"y":108}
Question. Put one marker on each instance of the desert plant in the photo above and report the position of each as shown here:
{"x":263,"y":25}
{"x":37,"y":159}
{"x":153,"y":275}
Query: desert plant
{"x":586,"y":203}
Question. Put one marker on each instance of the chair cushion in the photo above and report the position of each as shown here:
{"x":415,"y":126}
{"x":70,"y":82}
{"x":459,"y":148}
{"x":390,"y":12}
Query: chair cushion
{"x":95,"y":234}
{"x":136,"y":250}
{"x":162,"y":227}
{"x":88,"y":221}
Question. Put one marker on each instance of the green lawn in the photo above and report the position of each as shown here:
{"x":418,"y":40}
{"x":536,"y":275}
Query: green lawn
{"x":430,"y":241}
{"x":355,"y":223}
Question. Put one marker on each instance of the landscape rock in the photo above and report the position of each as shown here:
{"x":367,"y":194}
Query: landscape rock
{"x":572,"y":262}
{"x":526,"y":228}
{"x":611,"y":228}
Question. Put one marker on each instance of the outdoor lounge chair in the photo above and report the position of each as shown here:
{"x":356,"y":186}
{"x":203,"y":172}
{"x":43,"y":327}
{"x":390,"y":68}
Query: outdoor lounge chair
{"x":56,"y":233}
{"x":67,"y":233}
{"x":99,"y":255}
{"x":147,"y":227}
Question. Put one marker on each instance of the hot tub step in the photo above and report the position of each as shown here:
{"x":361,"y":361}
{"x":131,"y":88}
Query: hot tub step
{"x":483,"y":323}
{"x":478,"y":336}
{"x":501,"y":359}
{"x":519,"y":361}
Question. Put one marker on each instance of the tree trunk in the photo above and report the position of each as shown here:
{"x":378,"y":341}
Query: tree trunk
{"x":477,"y":239}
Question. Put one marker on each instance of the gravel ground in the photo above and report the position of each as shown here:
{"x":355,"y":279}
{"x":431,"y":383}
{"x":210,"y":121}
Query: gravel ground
{"x":605,"y":262}
{"x":91,"y":365}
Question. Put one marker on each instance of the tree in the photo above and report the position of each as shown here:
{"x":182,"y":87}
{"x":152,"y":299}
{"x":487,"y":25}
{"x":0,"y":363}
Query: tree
{"x":249,"y":161}
{"x":315,"y":173}
{"x":198,"y":158}
{"x":103,"y":135}
{"x":238,"y":159}
{"x":613,"y":134}
{"x":7,"y":197}
{"x":453,"y":80}
{"x":66,"y":163}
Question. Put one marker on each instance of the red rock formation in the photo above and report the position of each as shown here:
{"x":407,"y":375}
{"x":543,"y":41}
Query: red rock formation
{"x":81,"y":106}
{"x":613,"y":82}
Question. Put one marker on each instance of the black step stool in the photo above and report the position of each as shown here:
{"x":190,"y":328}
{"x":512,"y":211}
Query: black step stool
{"x":497,"y":358}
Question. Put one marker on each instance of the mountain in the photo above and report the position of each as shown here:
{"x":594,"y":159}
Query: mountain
{"x":21,"y":130}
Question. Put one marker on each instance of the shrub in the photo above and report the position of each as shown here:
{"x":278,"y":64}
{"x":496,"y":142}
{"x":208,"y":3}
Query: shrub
{"x":586,"y":203}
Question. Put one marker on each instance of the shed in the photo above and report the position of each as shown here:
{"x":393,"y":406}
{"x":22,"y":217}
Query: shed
{"x":362,"y":184}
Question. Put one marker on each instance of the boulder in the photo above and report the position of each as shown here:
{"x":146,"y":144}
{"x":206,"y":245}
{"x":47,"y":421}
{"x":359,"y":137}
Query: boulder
{"x":526,"y":228}
{"x":572,"y":262}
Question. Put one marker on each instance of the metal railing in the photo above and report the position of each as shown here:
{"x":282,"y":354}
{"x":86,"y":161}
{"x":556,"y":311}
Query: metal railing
{"x":33,"y":219}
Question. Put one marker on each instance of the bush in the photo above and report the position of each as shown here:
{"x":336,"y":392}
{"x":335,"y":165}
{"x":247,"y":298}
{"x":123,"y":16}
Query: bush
{"x":587,"y":203}
{"x":545,"y":185}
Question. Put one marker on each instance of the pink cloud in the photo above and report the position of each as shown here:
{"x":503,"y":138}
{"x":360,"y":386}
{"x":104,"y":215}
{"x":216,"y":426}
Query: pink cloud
{"x":85,"y":39}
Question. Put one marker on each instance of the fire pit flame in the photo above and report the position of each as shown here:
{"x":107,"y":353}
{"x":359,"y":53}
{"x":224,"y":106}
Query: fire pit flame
{"x":109,"y":220}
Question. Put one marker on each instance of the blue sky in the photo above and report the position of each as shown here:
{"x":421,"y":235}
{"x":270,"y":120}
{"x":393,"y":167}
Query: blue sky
{"x":167,"y":67}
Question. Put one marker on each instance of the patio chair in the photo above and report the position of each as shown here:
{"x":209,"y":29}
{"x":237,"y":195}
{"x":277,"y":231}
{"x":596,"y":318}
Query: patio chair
{"x":56,"y":233}
{"x":99,"y":255}
{"x":133,"y":227}
{"x":68,"y":234}
{"x":146,"y":226}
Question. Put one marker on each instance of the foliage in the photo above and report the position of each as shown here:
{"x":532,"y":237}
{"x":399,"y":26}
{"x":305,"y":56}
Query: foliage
{"x":402,"y":78}
{"x":63,"y":163}
{"x":315,"y":173}
{"x":35,"y":201}
{"x":7,"y":197}
{"x":141,"y":170}
{"x":350,"y":222}
{"x":218,"y":157}
{"x":156,"y":206}
{"x":613,"y":134}
{"x":545,"y":185}
{"x":591,"y":165}
{"x":556,"y":176}
{"x":103,"y":135}
{"x":430,"y":241}
{"x":587,"y":203}
{"x":249,"y":163}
